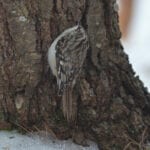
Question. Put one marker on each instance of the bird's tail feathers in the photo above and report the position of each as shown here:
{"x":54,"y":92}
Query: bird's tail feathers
{"x":69,"y":104}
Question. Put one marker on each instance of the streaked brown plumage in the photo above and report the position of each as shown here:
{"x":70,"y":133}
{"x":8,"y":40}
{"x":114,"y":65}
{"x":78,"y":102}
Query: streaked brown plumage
{"x":69,"y":50}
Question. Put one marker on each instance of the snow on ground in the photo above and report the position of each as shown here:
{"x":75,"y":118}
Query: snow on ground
{"x":137,"y":46}
{"x":15,"y":141}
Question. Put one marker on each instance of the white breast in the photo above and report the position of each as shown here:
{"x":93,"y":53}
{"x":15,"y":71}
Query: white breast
{"x":52,"y":59}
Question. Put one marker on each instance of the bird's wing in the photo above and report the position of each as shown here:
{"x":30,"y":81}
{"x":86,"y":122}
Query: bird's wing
{"x":70,"y":54}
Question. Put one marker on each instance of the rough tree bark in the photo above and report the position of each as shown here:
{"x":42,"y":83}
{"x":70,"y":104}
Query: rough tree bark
{"x":113,"y":105}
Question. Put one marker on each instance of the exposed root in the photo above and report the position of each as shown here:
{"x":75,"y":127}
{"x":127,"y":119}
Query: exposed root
{"x":139,"y":144}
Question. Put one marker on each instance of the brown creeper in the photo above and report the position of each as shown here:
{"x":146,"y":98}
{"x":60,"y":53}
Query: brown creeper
{"x":66,"y":56}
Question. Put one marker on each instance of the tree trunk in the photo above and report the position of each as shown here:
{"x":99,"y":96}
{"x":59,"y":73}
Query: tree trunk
{"x":113,"y":106}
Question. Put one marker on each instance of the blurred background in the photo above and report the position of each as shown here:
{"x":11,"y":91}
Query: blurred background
{"x":134,"y":18}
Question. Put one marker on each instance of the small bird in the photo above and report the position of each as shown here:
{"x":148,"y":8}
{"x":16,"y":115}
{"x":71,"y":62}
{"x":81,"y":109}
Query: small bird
{"x":66,"y":56}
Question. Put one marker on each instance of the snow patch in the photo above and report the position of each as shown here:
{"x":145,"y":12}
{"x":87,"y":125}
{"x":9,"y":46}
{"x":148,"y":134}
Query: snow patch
{"x":15,"y":141}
